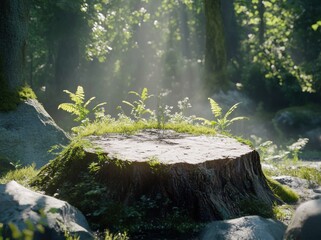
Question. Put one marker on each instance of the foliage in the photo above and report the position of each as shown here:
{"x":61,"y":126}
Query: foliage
{"x":139,"y":106}
{"x":268,"y":30}
{"x":11,"y":231}
{"x":79,"y":107}
{"x":316,"y":25}
{"x":220,"y":122}
{"x":283,"y":212}
{"x":272,"y":153}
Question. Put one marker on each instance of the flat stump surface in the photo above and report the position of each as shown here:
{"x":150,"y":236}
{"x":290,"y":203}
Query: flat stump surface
{"x":169,"y":147}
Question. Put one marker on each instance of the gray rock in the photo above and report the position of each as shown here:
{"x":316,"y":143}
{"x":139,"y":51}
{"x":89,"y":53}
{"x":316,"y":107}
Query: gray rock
{"x":19,"y":204}
{"x":306,"y":189}
{"x":28,"y":133}
{"x":244,"y":228}
{"x":300,"y":121}
{"x":305,"y":224}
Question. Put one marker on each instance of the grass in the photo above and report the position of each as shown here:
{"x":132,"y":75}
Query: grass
{"x":131,"y":127}
{"x":311,"y":174}
{"x":22,"y":176}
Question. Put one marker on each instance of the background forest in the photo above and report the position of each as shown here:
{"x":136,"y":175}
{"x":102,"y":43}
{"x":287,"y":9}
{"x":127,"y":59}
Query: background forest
{"x":265,"y":54}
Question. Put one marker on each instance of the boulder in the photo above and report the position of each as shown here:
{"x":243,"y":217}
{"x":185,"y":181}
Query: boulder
{"x":306,"y":221}
{"x":307,"y":190}
{"x":300,"y":121}
{"x":244,"y":228}
{"x":28,"y":133}
{"x":19,"y":205}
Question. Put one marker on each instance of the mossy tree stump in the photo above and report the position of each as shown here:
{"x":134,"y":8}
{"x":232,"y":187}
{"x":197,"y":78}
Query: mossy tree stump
{"x":208,"y":177}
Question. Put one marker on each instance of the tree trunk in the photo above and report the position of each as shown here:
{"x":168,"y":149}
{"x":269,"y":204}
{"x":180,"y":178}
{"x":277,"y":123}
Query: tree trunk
{"x":207,"y":177}
{"x":261,"y":9}
{"x":13,"y":34}
{"x":231,"y":32}
{"x":215,"y":52}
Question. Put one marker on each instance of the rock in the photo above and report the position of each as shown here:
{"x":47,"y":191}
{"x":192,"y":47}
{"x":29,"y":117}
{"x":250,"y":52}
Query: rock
{"x":305,"y":224}
{"x":306,"y":189}
{"x":28,"y":133}
{"x":244,"y":228}
{"x":209,"y":177}
{"x":19,"y":204}
{"x":302,"y":121}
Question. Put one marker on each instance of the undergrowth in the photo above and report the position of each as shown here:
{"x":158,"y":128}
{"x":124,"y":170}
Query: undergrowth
{"x":22,"y":175}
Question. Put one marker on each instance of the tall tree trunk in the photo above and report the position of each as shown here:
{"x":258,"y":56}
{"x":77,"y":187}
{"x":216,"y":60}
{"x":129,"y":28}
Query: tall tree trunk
{"x":215,"y":53}
{"x":13,"y":34}
{"x":261,"y":9}
{"x":231,"y":32}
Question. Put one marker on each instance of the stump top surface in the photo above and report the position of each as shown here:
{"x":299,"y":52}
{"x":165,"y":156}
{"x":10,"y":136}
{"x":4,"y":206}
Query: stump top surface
{"x":169,"y":147}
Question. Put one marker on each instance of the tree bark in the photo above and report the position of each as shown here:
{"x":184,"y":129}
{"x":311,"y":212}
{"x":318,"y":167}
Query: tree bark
{"x":215,"y":53}
{"x":13,"y":34}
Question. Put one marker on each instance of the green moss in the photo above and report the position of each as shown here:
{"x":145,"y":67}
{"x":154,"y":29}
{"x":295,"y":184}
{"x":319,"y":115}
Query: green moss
{"x":283,"y":192}
{"x":9,"y":100}
{"x":26,"y":93}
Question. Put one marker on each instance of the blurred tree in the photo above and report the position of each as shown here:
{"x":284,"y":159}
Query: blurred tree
{"x":270,"y":64}
{"x":13,"y":35}
{"x":215,"y":53}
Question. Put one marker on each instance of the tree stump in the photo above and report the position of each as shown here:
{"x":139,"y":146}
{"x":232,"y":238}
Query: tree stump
{"x":207,"y":175}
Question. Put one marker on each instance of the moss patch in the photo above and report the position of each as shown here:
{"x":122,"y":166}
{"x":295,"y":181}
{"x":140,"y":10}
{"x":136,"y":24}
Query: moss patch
{"x":9,"y":100}
{"x":283,"y":192}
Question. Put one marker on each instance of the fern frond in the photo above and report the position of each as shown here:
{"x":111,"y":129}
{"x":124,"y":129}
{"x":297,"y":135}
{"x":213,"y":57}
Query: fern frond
{"x":216,"y":109}
{"x":99,"y":105}
{"x":238,"y":118}
{"x":228,"y":113}
{"x":89,"y":101}
{"x":133,"y":92}
{"x":128,"y":103}
{"x":144,"y":94}
{"x":70,"y":107}
{"x":79,"y":96}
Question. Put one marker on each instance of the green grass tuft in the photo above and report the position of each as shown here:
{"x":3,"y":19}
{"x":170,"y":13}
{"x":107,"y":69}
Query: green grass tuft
{"x":22,"y":175}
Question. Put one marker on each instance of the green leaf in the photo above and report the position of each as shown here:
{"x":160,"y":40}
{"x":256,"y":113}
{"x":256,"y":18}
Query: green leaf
{"x":89,"y":101}
{"x":228,"y":113}
{"x":128,"y":103}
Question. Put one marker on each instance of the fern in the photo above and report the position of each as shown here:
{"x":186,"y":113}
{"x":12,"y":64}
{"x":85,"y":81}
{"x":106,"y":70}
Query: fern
{"x":216,"y":109}
{"x":79,"y":107}
{"x":221,"y":123}
{"x":138,"y":107}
